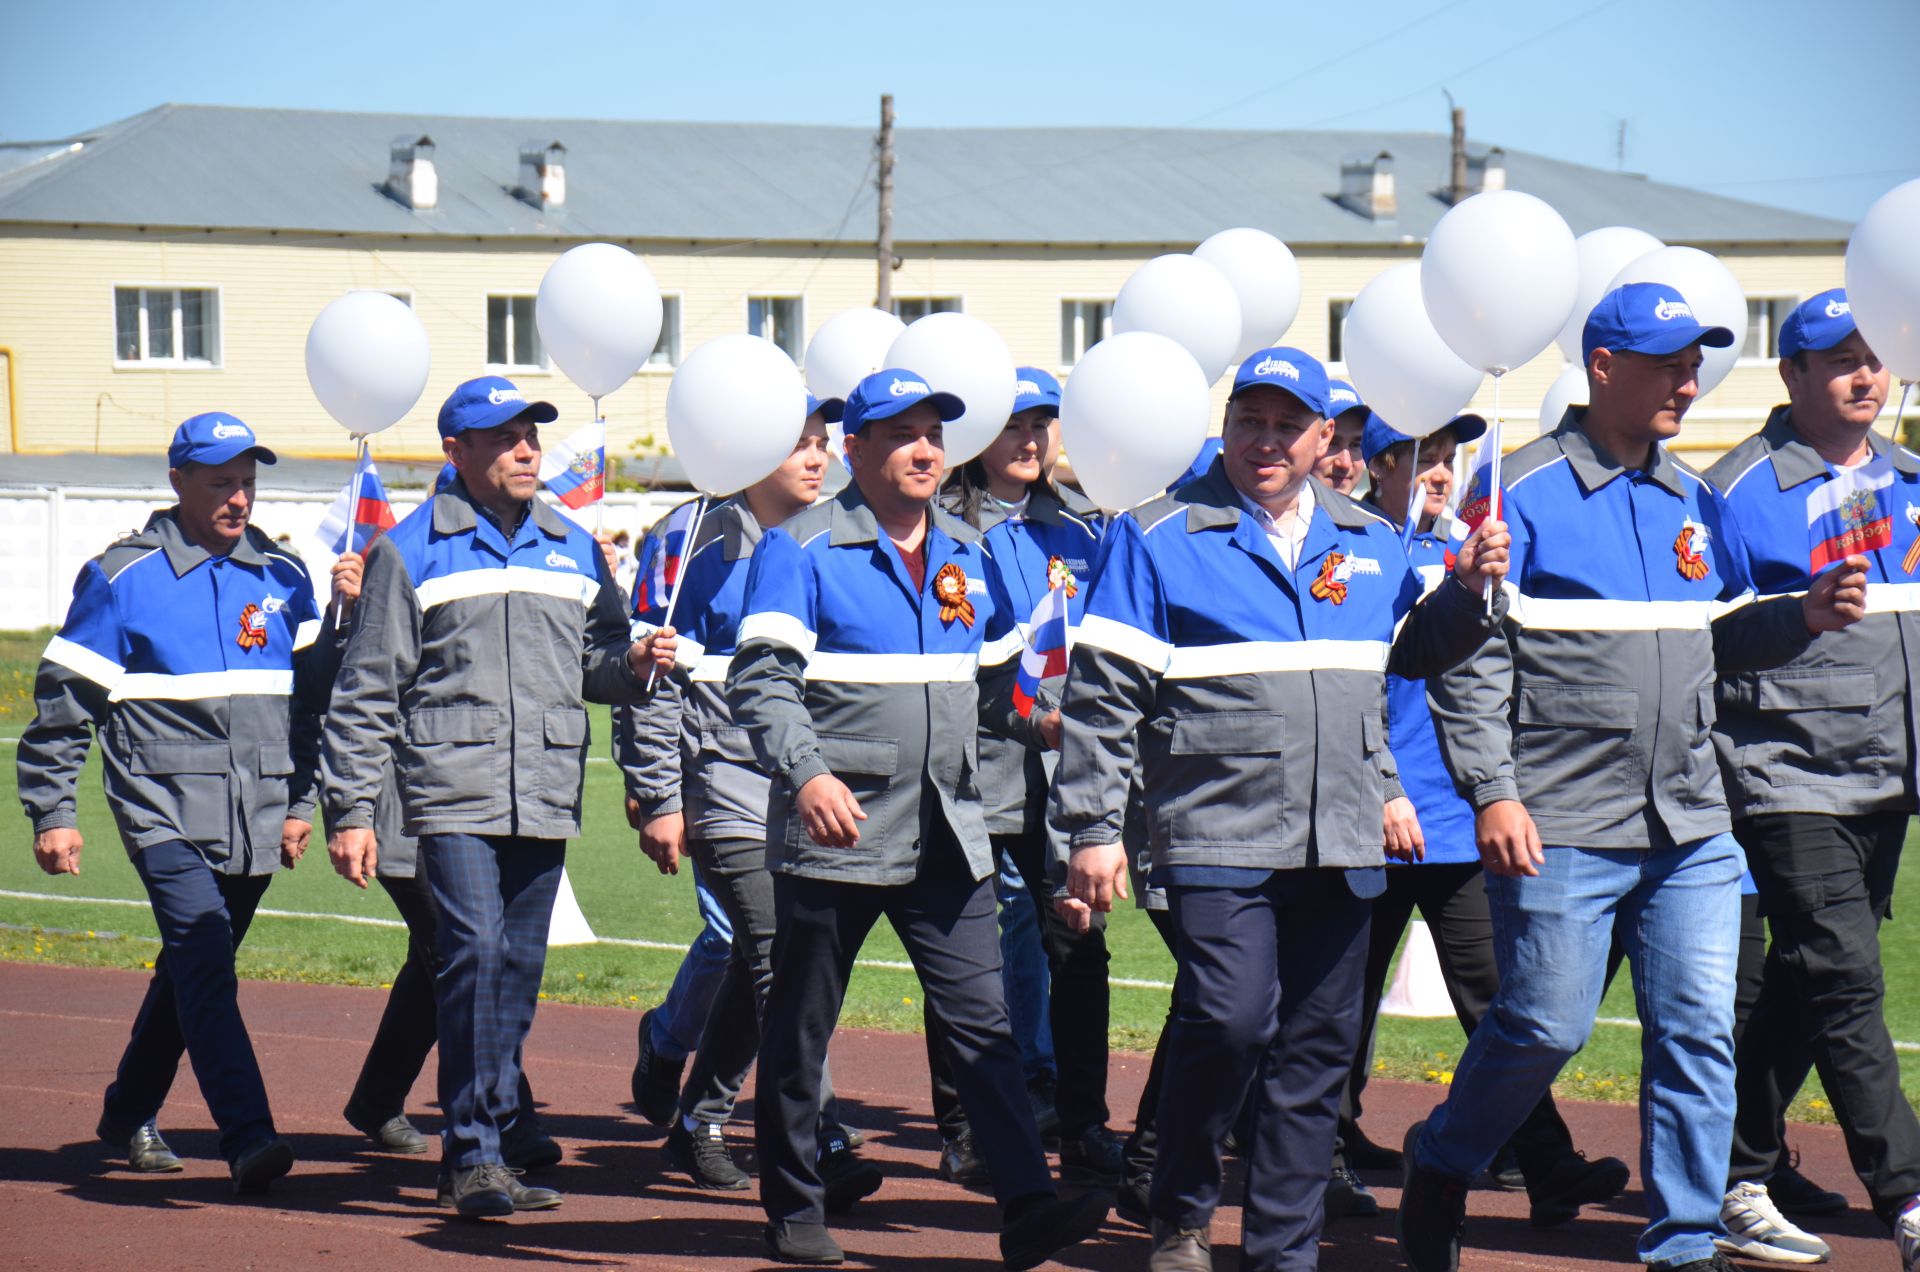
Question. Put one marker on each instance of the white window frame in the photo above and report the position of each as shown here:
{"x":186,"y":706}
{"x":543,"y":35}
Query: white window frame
{"x":667,"y":367}
{"x":1077,"y":298}
{"x":1337,"y":332}
{"x":959,"y":304}
{"x":1764,"y":360}
{"x":543,"y":367}
{"x":175,"y":363}
{"x":800,"y":321}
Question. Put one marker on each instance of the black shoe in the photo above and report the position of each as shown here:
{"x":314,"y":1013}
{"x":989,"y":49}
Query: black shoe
{"x":389,"y":1134}
{"x":525,"y":1145}
{"x":1096,"y":1155}
{"x":1433,"y":1210}
{"x":703,"y":1154}
{"x":256,"y":1168}
{"x":656,"y":1082}
{"x":478,"y":1192}
{"x":1045,"y":1229}
{"x":847,"y":1178}
{"x":1572,"y":1183}
{"x":146,"y":1151}
{"x":1348,"y":1198}
{"x":856,"y":1139}
{"x":1363,"y":1154}
{"x":1504,"y":1172}
{"x":1180,"y":1249}
{"x":525,"y":1198}
{"x":1795,"y":1194}
{"x":1045,"y":1115}
{"x":793,"y":1242}
{"x":960,"y":1163}
{"x":1130,"y":1200}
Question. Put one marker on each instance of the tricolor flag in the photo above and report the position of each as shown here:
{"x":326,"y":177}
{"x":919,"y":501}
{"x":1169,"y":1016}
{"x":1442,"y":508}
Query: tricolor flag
{"x":576,"y":470}
{"x":660,"y":558}
{"x":1472,"y":509}
{"x":1046,"y":651}
{"x":1846,"y":516}
{"x":344,"y":525}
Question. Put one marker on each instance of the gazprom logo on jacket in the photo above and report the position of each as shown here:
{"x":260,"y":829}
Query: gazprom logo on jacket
{"x":909,"y":388}
{"x":1277,"y":366}
{"x":561,"y":561}
{"x":1668,"y":310}
{"x":497,"y":396}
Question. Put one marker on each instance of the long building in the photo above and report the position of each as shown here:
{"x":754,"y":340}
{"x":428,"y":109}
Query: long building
{"x":171,"y":263}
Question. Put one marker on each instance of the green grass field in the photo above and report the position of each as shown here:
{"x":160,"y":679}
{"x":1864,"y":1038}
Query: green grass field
{"x":624,"y":897}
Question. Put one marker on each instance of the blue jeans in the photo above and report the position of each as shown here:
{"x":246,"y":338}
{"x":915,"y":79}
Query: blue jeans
{"x":1677,"y":911}
{"x":1023,"y":972}
{"x":495,"y":897}
{"x":682,"y":1016}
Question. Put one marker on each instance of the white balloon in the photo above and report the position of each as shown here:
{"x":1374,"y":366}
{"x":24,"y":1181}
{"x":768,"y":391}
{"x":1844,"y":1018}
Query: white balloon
{"x":367,"y":360}
{"x":599,"y":315}
{"x":1710,"y":290}
{"x":734,"y":410}
{"x":1883,"y":278}
{"x":1188,"y":301}
{"x":1398,"y":363}
{"x":1499,"y":276}
{"x":1132,"y":416}
{"x":849,"y":347}
{"x":1603,"y":253}
{"x":959,"y":354}
{"x":1569,"y":388}
{"x":1264,"y":276}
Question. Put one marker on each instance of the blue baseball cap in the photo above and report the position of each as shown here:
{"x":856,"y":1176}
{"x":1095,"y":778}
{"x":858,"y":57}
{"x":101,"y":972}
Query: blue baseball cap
{"x":829,"y":409}
{"x":1818,"y":322}
{"x":885,"y":394}
{"x":214,"y":438}
{"x":1294,"y":370}
{"x":1035,"y":390}
{"x":1343,"y":397}
{"x":488,"y":401}
{"x":1647,"y":318}
{"x":1378,"y":434}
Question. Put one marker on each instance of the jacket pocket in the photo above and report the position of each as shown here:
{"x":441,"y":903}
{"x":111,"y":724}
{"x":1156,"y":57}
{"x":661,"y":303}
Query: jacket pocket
{"x":1573,"y":747}
{"x":1824,"y":689}
{"x":853,"y":753}
{"x":728,"y":741}
{"x":276,"y":759}
{"x":1227,"y":733}
{"x":429,"y":725}
{"x":566,"y":727}
{"x":449,"y":767}
{"x":1222,"y":783}
{"x":186,"y":788}
{"x":162,"y":757}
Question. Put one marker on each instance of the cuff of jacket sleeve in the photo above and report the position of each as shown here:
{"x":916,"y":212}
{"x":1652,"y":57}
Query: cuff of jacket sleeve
{"x":1093,"y":837}
{"x":58,"y":819}
{"x":1466,"y":599}
{"x":353,"y":818}
{"x":1492,"y":792}
{"x":301,"y":810}
{"x":1393,"y":789}
{"x":805,"y":771}
{"x":658,"y":806}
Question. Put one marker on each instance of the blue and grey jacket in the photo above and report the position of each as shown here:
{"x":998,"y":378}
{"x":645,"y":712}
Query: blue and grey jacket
{"x":1250,"y":695}
{"x":1446,"y":820}
{"x":1832,"y":730}
{"x":472,"y":656}
{"x":1593,"y":704}
{"x":195,"y":672}
{"x":844,"y":667}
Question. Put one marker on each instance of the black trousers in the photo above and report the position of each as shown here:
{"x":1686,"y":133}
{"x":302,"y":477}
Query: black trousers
{"x":1267,"y":997}
{"x":408,"y":1027}
{"x":1077,"y":1005}
{"x":1144,"y":1144}
{"x":1826,"y":884}
{"x":946,"y":920}
{"x":1452,"y":898}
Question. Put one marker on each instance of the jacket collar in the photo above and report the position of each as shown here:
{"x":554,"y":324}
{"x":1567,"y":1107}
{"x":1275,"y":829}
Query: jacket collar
{"x":1794,"y":461}
{"x":735,"y":524}
{"x":1595,"y":467}
{"x":454,"y":512}
{"x":852,"y":521}
{"x":183,"y":554}
{"x":1213,"y":502}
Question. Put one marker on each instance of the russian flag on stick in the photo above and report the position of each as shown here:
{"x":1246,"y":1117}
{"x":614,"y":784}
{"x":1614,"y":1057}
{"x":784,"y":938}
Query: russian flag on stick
{"x":1473,"y":506}
{"x":1846,"y":516}
{"x":660,"y":559}
{"x":576,"y":470}
{"x":1046,"y":651}
{"x":346,"y":526}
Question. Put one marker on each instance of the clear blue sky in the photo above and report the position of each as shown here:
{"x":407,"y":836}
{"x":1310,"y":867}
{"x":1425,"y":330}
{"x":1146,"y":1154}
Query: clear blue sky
{"x":1803,"y":104}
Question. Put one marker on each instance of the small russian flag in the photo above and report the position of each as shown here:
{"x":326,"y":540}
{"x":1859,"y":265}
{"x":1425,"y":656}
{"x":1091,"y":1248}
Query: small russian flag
{"x":369,"y":521}
{"x":1845,"y":516}
{"x":660,"y":558}
{"x":1046,"y":651}
{"x":576,"y":470}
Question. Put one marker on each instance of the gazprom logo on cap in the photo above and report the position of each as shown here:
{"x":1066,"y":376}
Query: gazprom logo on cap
{"x":909,"y":388}
{"x":1343,"y":395}
{"x":1026,"y":388}
{"x":224,"y":432}
{"x":1667,"y":310}
{"x":1277,"y":366}
{"x":1838,"y":308}
{"x":497,"y":396}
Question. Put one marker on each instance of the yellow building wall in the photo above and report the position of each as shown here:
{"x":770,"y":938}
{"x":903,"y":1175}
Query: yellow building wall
{"x":56,"y":313}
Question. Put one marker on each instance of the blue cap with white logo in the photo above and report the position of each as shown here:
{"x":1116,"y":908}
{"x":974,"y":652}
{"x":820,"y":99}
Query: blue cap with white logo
{"x":1343,"y":397}
{"x":1294,"y":370}
{"x":829,"y":409}
{"x":214,"y":438}
{"x":885,"y":394}
{"x":487,"y":402}
{"x":1378,"y":434}
{"x":1647,"y":318}
{"x":1818,"y":322}
{"x":1035,"y":390}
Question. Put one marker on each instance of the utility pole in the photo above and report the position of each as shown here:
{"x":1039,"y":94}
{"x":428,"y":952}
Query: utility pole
{"x":1620,"y":148}
{"x":883,"y":248}
{"x":1457,"y":172}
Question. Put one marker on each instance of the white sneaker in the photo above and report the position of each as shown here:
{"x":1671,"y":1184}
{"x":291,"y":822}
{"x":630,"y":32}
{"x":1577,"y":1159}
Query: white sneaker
{"x":1757,"y":1230}
{"x":1906,"y":1234}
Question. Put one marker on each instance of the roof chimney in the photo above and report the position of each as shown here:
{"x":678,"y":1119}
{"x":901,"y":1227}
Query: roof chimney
{"x":1366,"y":187}
{"x":1457,"y":170}
{"x":411,"y":180}
{"x":1487,"y":172}
{"x":543,"y":174}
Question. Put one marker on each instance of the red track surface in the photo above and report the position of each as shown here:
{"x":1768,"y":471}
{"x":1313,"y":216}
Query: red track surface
{"x":65,"y":1205}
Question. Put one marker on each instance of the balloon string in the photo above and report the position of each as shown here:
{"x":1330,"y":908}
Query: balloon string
{"x":680,"y":574}
{"x":353,"y":511}
{"x":600,"y":504}
{"x":1494,"y":502}
{"x":1410,"y":527}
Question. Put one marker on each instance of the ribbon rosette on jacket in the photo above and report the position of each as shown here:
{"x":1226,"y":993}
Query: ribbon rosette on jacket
{"x":1332,"y":583}
{"x":253,"y":629}
{"x":1689,"y":552}
{"x":950,"y":589}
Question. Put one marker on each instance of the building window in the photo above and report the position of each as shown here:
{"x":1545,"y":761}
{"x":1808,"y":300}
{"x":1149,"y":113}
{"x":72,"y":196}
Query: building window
{"x":1764,"y":316}
{"x":1337,"y":328}
{"x":166,"y":326}
{"x":777,"y":318}
{"x":513,"y":338}
{"x":911,"y":308}
{"x":1083,"y":324}
{"x":666,"y":350}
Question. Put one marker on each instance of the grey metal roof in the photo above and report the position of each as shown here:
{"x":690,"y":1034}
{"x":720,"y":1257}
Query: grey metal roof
{"x":308,"y":476}
{"x":245,"y":168}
